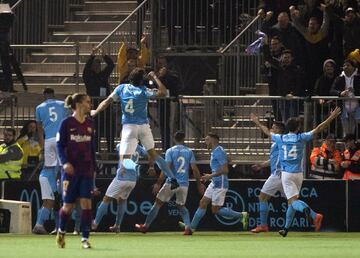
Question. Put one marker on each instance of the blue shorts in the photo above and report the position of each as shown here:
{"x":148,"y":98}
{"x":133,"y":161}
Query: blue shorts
{"x":75,"y":187}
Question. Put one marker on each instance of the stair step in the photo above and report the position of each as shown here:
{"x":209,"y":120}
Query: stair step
{"x":100,"y":15}
{"x":110,"y":5}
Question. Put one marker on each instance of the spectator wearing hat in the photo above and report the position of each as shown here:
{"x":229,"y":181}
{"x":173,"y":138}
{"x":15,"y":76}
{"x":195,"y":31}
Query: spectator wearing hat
{"x":351,"y":156}
{"x":325,"y":160}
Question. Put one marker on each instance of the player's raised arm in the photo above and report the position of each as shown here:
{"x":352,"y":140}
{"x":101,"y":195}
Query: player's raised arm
{"x":326,"y":123}
{"x":162,"y":91}
{"x":102,"y":106}
{"x":262,"y":127}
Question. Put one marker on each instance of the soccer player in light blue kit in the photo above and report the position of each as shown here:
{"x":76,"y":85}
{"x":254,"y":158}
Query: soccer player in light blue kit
{"x":216,"y":191}
{"x":49,"y":116}
{"x":120,"y":189}
{"x":134,"y":98}
{"x":291,"y":148}
{"x":179,"y":158}
{"x":273,"y":184}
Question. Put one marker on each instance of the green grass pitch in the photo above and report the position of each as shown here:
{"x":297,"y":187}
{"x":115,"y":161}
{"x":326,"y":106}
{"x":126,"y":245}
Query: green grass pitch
{"x":174,"y":244}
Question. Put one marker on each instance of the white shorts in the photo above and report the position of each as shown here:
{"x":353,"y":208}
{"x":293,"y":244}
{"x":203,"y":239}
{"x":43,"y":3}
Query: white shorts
{"x":291,"y":183}
{"x":166,"y":193}
{"x":272,"y":185}
{"x":131,"y":134}
{"x":46,"y":191}
{"x":120,"y":189}
{"x":50,"y":153}
{"x":217,"y":195}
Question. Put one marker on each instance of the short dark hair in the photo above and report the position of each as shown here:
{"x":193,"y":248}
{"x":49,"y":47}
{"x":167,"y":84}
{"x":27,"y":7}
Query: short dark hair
{"x":213,"y":135}
{"x":280,"y":125}
{"x":137,"y":76}
{"x":12,"y":130}
{"x":287,"y":51}
{"x":48,"y":91}
{"x":179,"y":136}
{"x":349,"y":137}
{"x":350,"y":61}
{"x":292,"y":124}
{"x":276,"y":38}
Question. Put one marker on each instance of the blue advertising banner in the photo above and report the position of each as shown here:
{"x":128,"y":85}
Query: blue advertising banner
{"x":326,"y":197}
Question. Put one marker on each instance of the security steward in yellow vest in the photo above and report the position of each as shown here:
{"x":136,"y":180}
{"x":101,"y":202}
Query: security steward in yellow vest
{"x":11,"y":156}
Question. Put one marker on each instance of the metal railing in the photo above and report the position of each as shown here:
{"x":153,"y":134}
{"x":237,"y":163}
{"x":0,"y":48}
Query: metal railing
{"x":35,"y":19}
{"x":129,"y":32}
{"x":229,"y":117}
{"x":240,"y":71}
{"x":200,"y":24}
{"x":23,"y":54}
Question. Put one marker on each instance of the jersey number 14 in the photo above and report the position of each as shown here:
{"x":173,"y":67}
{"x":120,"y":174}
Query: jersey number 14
{"x":291,"y":154}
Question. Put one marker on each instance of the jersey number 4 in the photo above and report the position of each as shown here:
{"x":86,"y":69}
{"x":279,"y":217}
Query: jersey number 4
{"x":129,"y":107}
{"x":292,"y":154}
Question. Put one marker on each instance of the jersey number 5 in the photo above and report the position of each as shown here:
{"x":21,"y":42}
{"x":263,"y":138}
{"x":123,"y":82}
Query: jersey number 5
{"x":129,"y":107}
{"x":53,"y":116}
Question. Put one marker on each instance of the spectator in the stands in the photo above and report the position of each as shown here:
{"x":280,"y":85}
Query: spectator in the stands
{"x":129,"y":56}
{"x":272,"y":8}
{"x":351,"y":155}
{"x":97,"y":86}
{"x":290,"y":83}
{"x":168,"y":111}
{"x":355,"y":56}
{"x":288,"y":35}
{"x":30,"y":145}
{"x":309,"y":9}
{"x":11,"y":156}
{"x":323,"y":88}
{"x":273,"y":52}
{"x":325,"y":160}
{"x":347,"y":85}
{"x":351,"y":31}
{"x":316,"y":43}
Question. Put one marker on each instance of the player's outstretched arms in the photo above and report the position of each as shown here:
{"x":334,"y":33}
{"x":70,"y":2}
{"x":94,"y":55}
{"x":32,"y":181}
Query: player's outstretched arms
{"x":334,"y":114}
{"x":262,"y":127}
{"x":102,"y":106}
{"x":162,"y":91}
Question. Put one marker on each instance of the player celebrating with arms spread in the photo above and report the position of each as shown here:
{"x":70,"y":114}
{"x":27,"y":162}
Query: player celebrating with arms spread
{"x":134,"y":99}
{"x":75,"y":143}
{"x":291,"y":146}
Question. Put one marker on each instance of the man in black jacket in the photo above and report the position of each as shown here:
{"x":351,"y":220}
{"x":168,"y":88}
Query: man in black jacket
{"x":97,"y":87}
{"x":347,"y":85}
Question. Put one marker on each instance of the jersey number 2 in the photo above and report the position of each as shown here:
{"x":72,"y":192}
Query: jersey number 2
{"x":181,"y":167}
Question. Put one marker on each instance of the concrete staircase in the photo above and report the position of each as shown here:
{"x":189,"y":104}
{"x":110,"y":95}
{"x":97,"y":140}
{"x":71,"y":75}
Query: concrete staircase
{"x":55,"y":67}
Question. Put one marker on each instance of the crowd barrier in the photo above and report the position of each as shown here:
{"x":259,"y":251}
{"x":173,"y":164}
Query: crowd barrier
{"x":338,"y":200}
